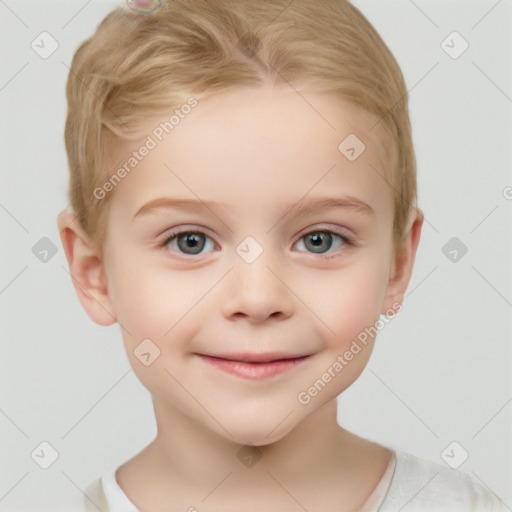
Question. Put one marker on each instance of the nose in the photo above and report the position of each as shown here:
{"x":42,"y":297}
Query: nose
{"x":258,"y":291}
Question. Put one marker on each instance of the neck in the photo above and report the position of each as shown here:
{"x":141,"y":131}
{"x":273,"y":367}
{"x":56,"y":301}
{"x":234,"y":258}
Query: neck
{"x":183,"y":445}
{"x":190,"y":460}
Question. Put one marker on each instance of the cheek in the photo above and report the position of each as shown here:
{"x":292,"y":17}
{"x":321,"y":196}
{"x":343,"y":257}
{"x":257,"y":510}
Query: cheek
{"x":349,"y":314}
{"x":352,"y":299}
{"x":139,"y":297}
{"x":155,"y":303}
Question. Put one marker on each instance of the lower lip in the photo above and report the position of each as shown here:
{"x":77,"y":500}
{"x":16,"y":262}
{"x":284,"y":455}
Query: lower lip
{"x":254,"y":371}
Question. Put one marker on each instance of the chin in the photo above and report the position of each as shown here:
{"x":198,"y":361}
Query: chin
{"x":255,"y":431}
{"x":256,"y":437}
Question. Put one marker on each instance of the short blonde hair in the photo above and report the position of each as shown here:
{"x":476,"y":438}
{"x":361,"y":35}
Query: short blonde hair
{"x":135,"y":66}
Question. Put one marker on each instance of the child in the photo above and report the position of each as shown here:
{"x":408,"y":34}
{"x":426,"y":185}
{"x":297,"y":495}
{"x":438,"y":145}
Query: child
{"x":214,"y":146}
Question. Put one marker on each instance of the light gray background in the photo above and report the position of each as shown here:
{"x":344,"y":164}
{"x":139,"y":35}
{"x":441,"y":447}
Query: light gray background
{"x":441,"y":370}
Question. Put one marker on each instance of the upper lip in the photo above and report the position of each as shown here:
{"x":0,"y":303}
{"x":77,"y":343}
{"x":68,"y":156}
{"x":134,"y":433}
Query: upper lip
{"x":265,"y":357}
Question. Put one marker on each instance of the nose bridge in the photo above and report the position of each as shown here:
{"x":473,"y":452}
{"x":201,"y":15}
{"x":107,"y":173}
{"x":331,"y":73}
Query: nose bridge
{"x":256,"y":291}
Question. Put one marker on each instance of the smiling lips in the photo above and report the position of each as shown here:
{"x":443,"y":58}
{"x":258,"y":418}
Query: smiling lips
{"x":254,"y":366}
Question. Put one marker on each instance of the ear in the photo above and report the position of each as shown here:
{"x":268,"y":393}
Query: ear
{"x":86,"y":269}
{"x":402,"y":264}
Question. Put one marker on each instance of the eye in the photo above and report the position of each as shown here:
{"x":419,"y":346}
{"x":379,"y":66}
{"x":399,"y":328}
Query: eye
{"x":192,"y":243}
{"x":188,"y":242}
{"x":321,"y":241}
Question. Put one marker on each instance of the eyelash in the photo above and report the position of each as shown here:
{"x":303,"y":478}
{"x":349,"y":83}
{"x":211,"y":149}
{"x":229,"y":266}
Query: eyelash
{"x":348,"y":242}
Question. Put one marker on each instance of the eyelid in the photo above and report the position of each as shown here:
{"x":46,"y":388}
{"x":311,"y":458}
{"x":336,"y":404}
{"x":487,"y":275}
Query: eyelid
{"x":333,"y":228}
{"x":185,"y":228}
{"x":325,"y":226}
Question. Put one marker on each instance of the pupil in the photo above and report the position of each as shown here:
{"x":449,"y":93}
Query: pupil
{"x":190,"y":241}
{"x":318,"y":239}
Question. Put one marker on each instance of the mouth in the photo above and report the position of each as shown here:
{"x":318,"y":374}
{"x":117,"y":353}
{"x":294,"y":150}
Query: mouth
{"x":255,"y":366}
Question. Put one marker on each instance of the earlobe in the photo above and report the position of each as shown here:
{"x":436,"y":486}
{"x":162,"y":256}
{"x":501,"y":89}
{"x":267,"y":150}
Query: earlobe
{"x":86,"y":269}
{"x":403,"y":264}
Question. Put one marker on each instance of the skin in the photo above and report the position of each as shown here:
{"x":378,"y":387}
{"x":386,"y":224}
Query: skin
{"x":259,"y":151}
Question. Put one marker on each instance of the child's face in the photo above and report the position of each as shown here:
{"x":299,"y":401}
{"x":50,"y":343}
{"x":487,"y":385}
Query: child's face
{"x":250,"y":281}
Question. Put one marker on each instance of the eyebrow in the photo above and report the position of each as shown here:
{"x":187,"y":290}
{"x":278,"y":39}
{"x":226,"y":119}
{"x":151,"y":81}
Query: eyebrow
{"x":298,"y":209}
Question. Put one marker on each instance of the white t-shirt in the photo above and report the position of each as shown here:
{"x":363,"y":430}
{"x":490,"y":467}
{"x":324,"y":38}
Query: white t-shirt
{"x":119,"y":502}
{"x":116,"y":498}
{"x":409,"y":483}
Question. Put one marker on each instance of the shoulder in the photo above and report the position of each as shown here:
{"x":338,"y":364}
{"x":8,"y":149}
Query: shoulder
{"x":423,"y":485}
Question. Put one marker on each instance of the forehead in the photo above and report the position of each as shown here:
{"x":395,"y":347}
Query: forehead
{"x":253,"y":148}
